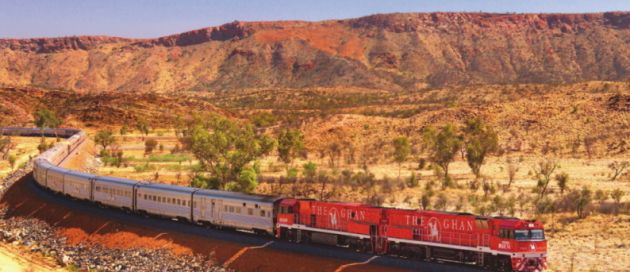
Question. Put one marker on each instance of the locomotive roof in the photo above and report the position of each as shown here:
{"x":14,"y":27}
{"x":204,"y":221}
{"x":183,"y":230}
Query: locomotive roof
{"x":239,"y":196}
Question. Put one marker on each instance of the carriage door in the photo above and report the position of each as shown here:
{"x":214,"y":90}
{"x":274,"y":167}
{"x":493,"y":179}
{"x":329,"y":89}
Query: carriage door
{"x":218,"y":212}
{"x":202,"y":208}
{"x":211,"y":208}
{"x":374,"y":236}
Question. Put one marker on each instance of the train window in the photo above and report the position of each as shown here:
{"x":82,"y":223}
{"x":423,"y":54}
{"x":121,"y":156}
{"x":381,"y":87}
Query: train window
{"x":145,"y":197}
{"x":537,"y":234}
{"x":262,"y":213}
{"x":231,"y":209}
{"x":225,"y":209}
{"x":521,"y":234}
{"x":250,"y":211}
{"x":194,"y":204}
{"x":352,"y":215}
{"x":238,"y":210}
{"x":179,"y":202}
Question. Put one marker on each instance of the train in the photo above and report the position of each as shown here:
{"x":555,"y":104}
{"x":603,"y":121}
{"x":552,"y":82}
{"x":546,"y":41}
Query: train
{"x":494,"y":243}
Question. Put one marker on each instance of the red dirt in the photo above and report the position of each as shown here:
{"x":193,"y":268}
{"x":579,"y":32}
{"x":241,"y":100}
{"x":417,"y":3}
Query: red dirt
{"x":330,"y":38}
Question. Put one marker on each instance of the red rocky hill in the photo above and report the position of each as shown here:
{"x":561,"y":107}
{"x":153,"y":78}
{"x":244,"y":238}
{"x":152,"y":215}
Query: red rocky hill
{"x":389,"y":52}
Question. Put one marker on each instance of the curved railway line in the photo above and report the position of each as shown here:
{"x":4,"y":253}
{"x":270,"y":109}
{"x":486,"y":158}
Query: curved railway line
{"x":87,"y":222}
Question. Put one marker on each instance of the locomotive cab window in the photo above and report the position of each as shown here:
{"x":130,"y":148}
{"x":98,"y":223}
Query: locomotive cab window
{"x":537,"y":234}
{"x":529,"y":235}
{"x":522,"y":235}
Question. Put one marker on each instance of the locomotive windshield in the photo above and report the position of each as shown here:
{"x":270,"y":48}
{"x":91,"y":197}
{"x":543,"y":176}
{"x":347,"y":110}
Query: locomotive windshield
{"x":529,"y":235}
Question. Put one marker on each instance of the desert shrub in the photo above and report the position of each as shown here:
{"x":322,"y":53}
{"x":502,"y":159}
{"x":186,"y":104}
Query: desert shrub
{"x":105,"y":138}
{"x":12,"y":160}
{"x":473,"y":185}
{"x":429,"y":186}
{"x":347,"y":177}
{"x":563,"y":180}
{"x":413,"y":181}
{"x":545,"y":205}
{"x":375,"y":200}
{"x":616,"y":195}
{"x":144,"y":167}
{"x":402,"y":149}
{"x":386,"y":185}
{"x":176,"y":149}
{"x":42,"y":146}
{"x":425,"y":201}
{"x":309,"y":170}
{"x":422,"y":163}
{"x":618,"y":169}
{"x":149,"y":146}
{"x":543,"y":172}
{"x":292,"y":173}
{"x":263,"y":119}
{"x":578,"y":201}
{"x":169,"y":158}
{"x":441,"y":201}
{"x":461,"y":202}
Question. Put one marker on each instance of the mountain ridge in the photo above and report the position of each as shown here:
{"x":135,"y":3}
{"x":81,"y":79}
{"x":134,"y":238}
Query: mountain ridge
{"x":382,"y":51}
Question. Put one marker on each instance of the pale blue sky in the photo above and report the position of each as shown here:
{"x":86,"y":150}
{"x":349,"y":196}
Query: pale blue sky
{"x":153,"y":18}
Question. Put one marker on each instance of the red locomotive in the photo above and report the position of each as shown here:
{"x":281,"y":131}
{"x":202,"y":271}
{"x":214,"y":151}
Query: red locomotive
{"x":497,"y":243}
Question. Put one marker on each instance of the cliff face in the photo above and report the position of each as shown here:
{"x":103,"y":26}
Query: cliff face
{"x":391,"y":52}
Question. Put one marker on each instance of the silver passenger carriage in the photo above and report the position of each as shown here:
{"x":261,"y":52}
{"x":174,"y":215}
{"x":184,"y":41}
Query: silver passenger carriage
{"x":165,"y":200}
{"x":55,"y":178}
{"x":40,"y":166}
{"x":78,"y":184}
{"x":237,"y":210}
{"x":115,"y":192}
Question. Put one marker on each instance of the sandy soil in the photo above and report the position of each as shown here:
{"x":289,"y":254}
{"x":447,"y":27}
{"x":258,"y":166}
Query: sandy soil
{"x":13,"y":259}
{"x":24,"y":147}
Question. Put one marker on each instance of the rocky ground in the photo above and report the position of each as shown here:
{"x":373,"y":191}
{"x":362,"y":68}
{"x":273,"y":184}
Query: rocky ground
{"x":40,"y":238}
